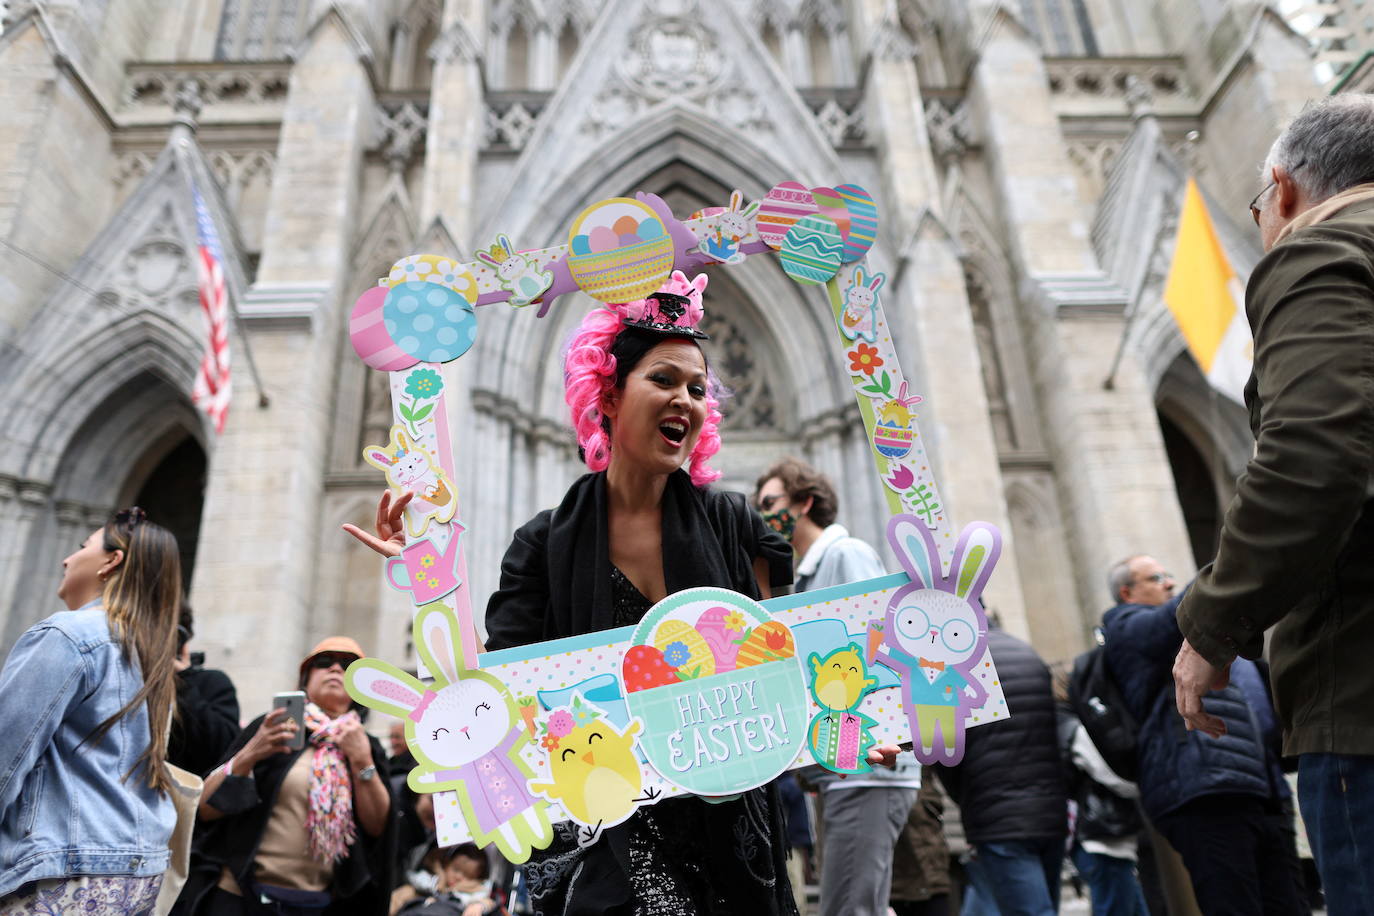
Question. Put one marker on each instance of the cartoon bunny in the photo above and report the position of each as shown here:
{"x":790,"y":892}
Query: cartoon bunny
{"x":409,"y":468}
{"x":465,"y":733}
{"x":519,"y":273}
{"x":732,"y":226}
{"x":860,"y":316}
{"x":934,"y":631}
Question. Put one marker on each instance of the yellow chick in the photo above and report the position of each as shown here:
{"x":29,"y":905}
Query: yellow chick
{"x":595,"y":773}
{"x":840,"y":679}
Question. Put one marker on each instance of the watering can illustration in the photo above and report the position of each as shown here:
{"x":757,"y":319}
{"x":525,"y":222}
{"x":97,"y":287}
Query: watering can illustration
{"x":424,"y":570}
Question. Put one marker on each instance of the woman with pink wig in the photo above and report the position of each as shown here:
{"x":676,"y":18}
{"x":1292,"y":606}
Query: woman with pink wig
{"x":642,"y":525}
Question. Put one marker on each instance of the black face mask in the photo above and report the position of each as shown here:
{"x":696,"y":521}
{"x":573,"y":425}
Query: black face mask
{"x":782,"y":521}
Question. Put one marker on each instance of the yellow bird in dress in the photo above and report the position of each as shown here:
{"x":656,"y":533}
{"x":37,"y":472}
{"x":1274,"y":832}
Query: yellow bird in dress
{"x":596,"y":776}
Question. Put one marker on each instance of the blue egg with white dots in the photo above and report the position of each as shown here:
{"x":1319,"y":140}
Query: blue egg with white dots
{"x":428,"y":321}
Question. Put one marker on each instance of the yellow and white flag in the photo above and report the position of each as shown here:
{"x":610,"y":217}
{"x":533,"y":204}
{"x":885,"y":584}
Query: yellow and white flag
{"x":1208,"y":301}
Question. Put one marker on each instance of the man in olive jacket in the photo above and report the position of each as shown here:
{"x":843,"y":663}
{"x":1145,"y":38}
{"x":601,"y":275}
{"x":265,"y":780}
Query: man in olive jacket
{"x":1297,"y":547}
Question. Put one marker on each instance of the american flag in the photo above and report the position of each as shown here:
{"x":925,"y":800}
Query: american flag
{"x":212,"y":388}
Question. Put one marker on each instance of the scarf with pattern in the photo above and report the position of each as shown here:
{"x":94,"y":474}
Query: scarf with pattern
{"x":329,"y":821}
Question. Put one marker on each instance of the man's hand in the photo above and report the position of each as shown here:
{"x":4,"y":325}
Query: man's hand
{"x":883,"y":755}
{"x":1194,"y":678}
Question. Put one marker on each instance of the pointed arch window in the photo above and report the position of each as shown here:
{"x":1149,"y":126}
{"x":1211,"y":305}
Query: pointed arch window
{"x":568,"y":40}
{"x":259,"y":29}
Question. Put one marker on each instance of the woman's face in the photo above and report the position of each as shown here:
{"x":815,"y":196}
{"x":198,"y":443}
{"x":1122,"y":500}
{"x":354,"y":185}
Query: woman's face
{"x":82,"y":570}
{"x":324,"y":686}
{"x":657,"y":417}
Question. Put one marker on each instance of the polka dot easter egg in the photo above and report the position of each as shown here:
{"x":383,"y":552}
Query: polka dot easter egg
{"x":811,"y":249}
{"x":644,"y":669}
{"x":619,"y":250}
{"x":786,"y":203}
{"x":430,"y":321}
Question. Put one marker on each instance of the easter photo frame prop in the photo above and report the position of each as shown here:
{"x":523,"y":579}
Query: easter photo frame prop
{"x":711,"y":693}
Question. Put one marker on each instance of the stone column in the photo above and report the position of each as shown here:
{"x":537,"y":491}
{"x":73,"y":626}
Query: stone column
{"x":1117,"y":491}
{"x":927,"y":305}
{"x":263,"y":498}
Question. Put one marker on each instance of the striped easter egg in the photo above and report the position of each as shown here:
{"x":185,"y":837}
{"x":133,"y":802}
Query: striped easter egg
{"x":767,"y":642}
{"x":811,"y":249}
{"x":786,"y":203}
{"x":863,"y":221}
{"x":830,"y":203}
{"x":367,"y":331}
{"x":891,"y":440}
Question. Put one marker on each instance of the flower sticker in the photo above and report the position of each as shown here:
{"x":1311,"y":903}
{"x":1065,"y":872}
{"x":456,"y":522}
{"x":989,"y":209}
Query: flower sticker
{"x":498,"y":783}
{"x":423,"y":384}
{"x":506,"y":803}
{"x":864,"y":358}
{"x":487,"y":765}
{"x":560,"y":723}
{"x":428,"y":560}
{"x":549,"y":742}
{"x":676,"y":654}
{"x":735,"y":621}
{"x":433,"y":581}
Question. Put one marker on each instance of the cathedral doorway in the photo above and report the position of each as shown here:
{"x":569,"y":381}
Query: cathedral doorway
{"x":1197,"y":494}
{"x":172,"y":492}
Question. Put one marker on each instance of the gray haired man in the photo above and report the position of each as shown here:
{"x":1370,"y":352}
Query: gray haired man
{"x":1295,"y":551}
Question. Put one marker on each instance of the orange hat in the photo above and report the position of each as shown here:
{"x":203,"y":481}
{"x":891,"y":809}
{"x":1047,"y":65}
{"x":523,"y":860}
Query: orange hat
{"x":332,"y":644}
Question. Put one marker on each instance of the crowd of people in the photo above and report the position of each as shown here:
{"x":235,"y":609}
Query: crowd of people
{"x":107,"y":712}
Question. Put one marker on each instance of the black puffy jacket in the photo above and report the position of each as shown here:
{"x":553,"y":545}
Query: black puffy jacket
{"x":1010,"y":784}
{"x":1176,"y":765}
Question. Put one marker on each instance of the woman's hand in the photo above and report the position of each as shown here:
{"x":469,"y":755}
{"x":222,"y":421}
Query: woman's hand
{"x":272,"y":737}
{"x":884,"y":755}
{"x":352,"y":740}
{"x":390,"y":538}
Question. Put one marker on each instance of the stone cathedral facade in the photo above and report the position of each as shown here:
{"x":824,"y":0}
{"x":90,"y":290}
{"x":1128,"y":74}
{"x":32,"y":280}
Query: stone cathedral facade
{"x":1029,"y":157}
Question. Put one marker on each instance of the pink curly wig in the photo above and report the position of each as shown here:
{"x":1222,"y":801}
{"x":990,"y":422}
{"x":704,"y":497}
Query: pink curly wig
{"x":589,"y":372}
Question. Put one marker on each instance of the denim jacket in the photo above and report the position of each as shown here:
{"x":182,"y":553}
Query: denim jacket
{"x":66,"y":809}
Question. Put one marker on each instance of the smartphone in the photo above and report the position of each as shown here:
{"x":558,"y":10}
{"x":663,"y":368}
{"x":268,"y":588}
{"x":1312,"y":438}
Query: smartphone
{"x":293,"y":701}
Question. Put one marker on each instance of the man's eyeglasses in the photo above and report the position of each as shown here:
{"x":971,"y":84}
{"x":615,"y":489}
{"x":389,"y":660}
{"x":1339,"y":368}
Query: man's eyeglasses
{"x":1254,"y":202}
{"x":1157,"y":578}
{"x":330,"y":659}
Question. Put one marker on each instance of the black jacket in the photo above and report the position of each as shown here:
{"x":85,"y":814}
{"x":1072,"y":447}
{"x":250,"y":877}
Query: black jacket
{"x":362,"y":881}
{"x":1010,"y":784}
{"x":207,"y":720}
{"x":1102,"y":814}
{"x":1176,"y":765}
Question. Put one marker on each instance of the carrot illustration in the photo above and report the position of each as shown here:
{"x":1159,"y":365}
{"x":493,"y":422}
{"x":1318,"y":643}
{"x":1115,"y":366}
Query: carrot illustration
{"x":528,"y":710}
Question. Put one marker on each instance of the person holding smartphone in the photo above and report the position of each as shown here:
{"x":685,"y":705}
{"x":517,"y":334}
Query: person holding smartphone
{"x":298,"y":825}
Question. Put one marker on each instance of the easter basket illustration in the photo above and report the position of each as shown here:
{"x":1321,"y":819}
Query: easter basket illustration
{"x":720,"y":689}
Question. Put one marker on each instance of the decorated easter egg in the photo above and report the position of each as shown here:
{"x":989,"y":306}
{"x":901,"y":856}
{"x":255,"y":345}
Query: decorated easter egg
{"x":645,"y":669}
{"x":430,"y":321}
{"x":811,"y":249}
{"x":720,"y":627}
{"x":434,"y":268}
{"x":367,"y":331}
{"x":863,"y":221}
{"x":684,"y":649}
{"x":891,"y":440}
{"x":619,"y":261}
{"x":767,"y":642}
{"x":830,"y":203}
{"x":780,"y":209}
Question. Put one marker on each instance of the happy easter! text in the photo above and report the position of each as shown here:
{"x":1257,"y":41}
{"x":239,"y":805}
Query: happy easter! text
{"x":722,"y":723}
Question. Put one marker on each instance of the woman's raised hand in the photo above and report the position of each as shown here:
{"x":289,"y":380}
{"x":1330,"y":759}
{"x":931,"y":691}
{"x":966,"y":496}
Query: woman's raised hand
{"x":272,"y":737}
{"x":390,"y":538}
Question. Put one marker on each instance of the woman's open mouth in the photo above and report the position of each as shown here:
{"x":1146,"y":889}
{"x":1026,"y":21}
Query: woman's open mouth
{"x":675,"y":431}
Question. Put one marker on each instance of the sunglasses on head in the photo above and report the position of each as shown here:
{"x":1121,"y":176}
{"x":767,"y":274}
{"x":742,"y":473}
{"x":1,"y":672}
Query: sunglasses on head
{"x":330,"y":659}
{"x":131,"y":516}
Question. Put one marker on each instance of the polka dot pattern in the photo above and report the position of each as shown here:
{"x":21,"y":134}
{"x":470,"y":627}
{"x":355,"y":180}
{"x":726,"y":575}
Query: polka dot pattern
{"x":429,"y":321}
